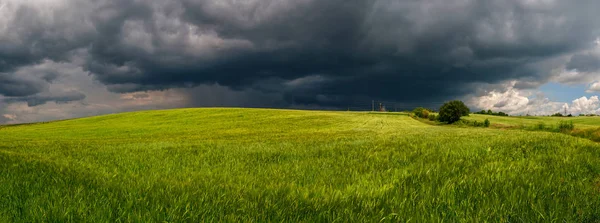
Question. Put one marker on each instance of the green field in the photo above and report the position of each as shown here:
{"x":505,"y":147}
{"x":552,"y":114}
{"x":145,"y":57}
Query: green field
{"x":584,"y":127}
{"x":191,"y":165}
{"x":580,"y":122}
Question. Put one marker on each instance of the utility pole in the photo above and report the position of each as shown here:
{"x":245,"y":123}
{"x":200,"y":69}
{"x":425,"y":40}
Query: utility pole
{"x":372,"y":105}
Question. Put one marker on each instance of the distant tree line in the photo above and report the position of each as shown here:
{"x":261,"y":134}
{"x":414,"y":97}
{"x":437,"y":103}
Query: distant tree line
{"x":558,"y":114}
{"x":587,"y":114}
{"x":490,"y":112}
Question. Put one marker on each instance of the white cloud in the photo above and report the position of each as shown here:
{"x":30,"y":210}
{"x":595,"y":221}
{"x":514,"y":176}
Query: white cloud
{"x":520,"y":102}
{"x":10,"y":116}
{"x":594,"y":87}
{"x":585,"y":105}
{"x":510,"y":101}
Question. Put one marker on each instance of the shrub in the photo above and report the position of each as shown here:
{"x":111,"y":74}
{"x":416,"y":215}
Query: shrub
{"x":420,"y":111}
{"x":425,"y":114}
{"x":486,"y":123}
{"x":479,"y":124}
{"x":432,"y":117}
{"x":464,"y":122}
{"x":565,"y":126}
{"x":451,"y":112}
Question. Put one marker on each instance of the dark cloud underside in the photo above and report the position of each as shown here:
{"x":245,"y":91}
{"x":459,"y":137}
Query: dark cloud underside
{"x":584,"y":63}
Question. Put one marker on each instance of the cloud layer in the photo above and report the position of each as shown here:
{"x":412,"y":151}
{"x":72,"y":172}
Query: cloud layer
{"x":285,"y":53}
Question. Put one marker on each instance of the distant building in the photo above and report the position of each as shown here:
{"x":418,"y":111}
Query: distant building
{"x":382,"y":107}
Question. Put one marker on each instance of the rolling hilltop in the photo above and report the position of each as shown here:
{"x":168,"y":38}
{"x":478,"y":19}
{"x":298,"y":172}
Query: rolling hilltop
{"x":287,"y":165}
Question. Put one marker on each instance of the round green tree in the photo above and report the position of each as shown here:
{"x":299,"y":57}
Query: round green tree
{"x":451,"y":112}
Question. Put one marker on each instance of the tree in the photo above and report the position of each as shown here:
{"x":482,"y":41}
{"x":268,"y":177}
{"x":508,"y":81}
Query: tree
{"x":451,"y":112}
{"x":486,"y":123}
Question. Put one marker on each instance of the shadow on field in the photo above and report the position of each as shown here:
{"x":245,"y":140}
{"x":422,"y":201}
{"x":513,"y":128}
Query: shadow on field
{"x":591,"y":134}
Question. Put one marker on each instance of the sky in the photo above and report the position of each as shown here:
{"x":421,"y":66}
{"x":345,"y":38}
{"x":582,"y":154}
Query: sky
{"x":63,"y":59}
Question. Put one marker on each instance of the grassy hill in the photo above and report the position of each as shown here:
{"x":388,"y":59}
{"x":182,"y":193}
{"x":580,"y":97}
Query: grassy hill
{"x":285,"y":165}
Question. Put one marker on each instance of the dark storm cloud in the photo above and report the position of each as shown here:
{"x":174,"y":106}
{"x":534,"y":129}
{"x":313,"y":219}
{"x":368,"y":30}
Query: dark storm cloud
{"x":392,"y":50}
{"x":27,"y":81}
{"x":584,"y":63}
{"x":32,"y":33}
{"x":14,"y":86}
{"x":59,"y":98}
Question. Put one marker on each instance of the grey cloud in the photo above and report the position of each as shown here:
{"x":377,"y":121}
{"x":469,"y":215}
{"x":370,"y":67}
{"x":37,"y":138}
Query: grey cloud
{"x":11,"y":85}
{"x":3,"y":119}
{"x":500,"y":104}
{"x":584,"y":62}
{"x":140,"y":95}
{"x":29,"y":80}
{"x":381,"y":43}
{"x":59,"y":98}
{"x":527,"y":84}
{"x":406,"y":51}
{"x":222,"y":96}
{"x":37,"y":30}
